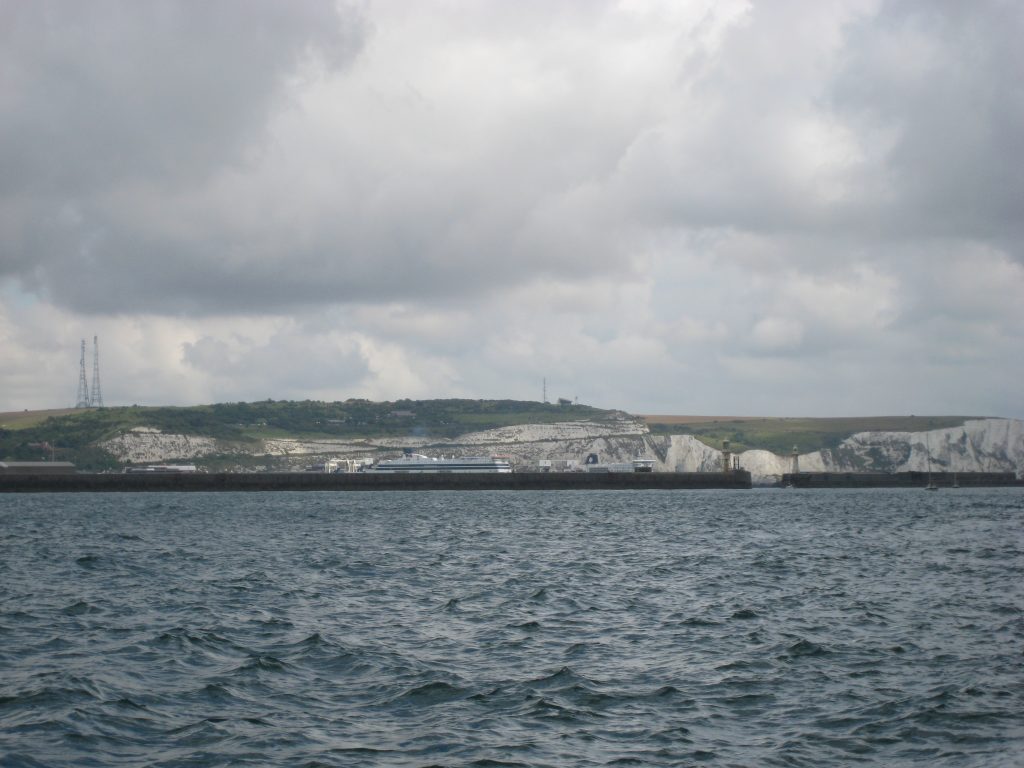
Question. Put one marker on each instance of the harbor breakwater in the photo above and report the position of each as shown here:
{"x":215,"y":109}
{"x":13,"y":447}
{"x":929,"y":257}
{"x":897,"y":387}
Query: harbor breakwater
{"x":369,"y":481}
{"x":900,"y":479}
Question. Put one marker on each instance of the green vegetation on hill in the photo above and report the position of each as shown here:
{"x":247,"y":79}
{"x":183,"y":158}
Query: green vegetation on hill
{"x":779,"y":435}
{"x":70,"y":436}
{"x":363,"y":418}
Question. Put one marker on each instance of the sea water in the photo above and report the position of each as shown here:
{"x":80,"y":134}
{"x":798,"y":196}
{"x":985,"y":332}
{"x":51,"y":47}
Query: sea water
{"x":590,"y":628}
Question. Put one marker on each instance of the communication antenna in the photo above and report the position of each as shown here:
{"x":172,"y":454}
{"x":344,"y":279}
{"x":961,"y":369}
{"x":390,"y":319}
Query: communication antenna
{"x":83,"y":385}
{"x":97,"y":396}
{"x":545,"y":395}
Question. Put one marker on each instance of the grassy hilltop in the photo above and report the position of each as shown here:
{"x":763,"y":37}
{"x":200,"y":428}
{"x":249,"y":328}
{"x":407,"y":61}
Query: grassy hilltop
{"x":71,"y":434}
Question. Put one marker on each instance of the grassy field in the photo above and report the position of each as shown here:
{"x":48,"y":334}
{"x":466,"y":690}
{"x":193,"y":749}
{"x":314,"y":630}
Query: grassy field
{"x":780,"y":434}
{"x":26,"y":419}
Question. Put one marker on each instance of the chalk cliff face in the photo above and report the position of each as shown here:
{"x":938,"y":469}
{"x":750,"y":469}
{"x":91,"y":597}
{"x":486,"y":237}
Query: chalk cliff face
{"x":980,"y":445}
{"x":146,"y":445}
{"x":621,"y":439}
{"x":988,"y":445}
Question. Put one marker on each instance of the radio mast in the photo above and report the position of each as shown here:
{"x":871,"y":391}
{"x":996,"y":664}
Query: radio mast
{"x":83,"y":384}
{"x":97,"y":396}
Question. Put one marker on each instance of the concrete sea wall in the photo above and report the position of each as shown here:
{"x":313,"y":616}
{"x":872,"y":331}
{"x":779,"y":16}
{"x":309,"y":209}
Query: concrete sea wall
{"x":899,"y":479}
{"x":368,"y":481}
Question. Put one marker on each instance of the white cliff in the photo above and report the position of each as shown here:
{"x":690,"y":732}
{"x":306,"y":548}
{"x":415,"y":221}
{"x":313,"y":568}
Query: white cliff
{"x":620,"y":439}
{"x":981,"y":445}
{"x":766,"y":467}
{"x":685,"y":453}
{"x":146,"y":445}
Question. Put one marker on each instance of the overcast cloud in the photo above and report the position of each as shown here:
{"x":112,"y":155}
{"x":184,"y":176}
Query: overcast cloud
{"x":701,"y":207}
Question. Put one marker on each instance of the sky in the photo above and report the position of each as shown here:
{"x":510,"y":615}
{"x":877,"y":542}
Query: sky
{"x":701,"y":207}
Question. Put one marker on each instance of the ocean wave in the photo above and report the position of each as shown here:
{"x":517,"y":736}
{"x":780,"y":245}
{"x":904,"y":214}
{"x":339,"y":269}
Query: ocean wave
{"x":713,"y":629}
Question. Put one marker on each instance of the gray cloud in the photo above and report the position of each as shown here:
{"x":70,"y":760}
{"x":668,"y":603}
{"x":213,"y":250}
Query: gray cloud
{"x":286,"y":362}
{"x":935,"y":87}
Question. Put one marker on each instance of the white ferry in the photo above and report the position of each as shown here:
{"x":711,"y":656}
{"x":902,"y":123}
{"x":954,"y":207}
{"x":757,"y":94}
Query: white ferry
{"x":162,"y":469}
{"x":417,"y":462}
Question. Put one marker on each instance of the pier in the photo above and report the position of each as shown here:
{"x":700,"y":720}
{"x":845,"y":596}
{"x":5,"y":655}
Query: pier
{"x":899,"y":479}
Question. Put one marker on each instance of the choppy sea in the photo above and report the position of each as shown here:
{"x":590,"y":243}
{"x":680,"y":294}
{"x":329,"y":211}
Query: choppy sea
{"x":591,"y":628}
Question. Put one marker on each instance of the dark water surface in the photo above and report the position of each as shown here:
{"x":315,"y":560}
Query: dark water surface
{"x":720,"y":628}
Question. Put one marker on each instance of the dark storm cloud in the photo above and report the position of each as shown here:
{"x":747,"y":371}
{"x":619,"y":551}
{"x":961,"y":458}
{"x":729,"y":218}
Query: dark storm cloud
{"x":149,"y":177}
{"x":100,"y":96}
{"x":98,"y":92}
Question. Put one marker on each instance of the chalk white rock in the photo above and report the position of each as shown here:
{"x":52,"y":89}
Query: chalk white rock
{"x":980,"y":445}
{"x":145,"y":445}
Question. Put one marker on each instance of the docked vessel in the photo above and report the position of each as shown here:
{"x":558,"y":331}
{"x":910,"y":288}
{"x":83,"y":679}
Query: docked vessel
{"x":163,"y":469}
{"x":639,"y":464}
{"x":417,"y":462}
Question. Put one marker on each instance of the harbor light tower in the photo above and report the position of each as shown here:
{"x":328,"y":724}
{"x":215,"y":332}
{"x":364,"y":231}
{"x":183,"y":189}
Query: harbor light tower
{"x":730,"y":460}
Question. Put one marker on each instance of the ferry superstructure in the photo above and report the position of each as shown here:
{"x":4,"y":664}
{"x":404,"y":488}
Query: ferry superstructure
{"x":417,"y":462}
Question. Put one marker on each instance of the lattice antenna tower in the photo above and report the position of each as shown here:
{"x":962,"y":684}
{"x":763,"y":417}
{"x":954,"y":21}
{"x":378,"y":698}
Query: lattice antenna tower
{"x":97,"y":395}
{"x":82,"y":401}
